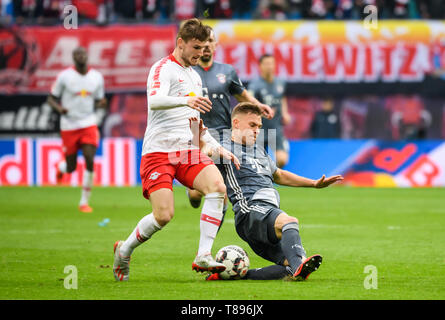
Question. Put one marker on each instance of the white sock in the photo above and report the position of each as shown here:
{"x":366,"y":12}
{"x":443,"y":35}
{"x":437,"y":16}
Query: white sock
{"x":211,"y":215}
{"x":143,"y":231}
{"x":87,"y":184}
{"x":62,"y":166}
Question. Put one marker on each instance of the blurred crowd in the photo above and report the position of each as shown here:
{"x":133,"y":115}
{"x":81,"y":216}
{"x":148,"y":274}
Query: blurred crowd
{"x":163,"y":11}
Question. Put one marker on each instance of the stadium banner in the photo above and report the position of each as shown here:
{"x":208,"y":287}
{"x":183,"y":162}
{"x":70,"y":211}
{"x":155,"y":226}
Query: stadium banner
{"x":334,"y":51}
{"x":33,"y":56}
{"x":370,"y":163}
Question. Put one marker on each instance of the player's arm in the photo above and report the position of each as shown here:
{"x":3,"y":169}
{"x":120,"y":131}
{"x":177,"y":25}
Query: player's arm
{"x":287,"y":178}
{"x":54,"y":103}
{"x":208,"y":145}
{"x":99,"y":95}
{"x":245,"y":96}
{"x":56,"y":92}
{"x":285,"y":112}
{"x":158,"y":87}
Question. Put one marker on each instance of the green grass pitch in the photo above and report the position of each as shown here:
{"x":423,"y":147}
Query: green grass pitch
{"x":399,"y":231}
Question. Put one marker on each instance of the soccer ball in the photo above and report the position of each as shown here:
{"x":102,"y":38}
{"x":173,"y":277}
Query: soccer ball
{"x":236,"y":261}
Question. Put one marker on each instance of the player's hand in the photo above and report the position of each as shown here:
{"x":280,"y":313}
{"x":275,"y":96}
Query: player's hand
{"x":102,"y":103}
{"x":198,"y":130}
{"x":226,"y":154}
{"x":268,"y":112}
{"x":62,"y":110}
{"x":324,"y":182}
{"x":286,"y":119}
{"x":202,"y":104}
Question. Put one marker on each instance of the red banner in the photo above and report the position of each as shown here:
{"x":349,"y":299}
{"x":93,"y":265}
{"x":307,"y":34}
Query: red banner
{"x":33,"y":56}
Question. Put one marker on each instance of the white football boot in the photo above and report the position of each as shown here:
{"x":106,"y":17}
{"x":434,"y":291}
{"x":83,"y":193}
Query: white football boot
{"x":121,"y":265}
{"x":206,"y":263}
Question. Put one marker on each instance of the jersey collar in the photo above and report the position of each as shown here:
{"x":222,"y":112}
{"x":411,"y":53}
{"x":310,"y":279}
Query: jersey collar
{"x":172,"y":58}
{"x":82,"y":74}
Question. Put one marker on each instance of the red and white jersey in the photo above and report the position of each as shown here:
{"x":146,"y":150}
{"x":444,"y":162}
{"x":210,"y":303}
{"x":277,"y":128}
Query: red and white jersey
{"x":169,"y":86}
{"x":78,"y":93}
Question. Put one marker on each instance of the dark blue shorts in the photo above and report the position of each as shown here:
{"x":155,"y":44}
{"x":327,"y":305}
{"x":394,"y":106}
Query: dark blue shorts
{"x":257,"y":229}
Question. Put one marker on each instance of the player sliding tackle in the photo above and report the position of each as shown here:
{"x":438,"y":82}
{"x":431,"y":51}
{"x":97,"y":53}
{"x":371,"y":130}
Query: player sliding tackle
{"x":271,"y":233}
{"x":174,"y":94}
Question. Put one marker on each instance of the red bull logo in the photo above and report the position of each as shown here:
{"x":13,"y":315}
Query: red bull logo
{"x":33,"y":162}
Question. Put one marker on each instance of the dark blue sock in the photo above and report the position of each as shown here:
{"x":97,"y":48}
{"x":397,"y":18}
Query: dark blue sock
{"x":274,"y":272}
{"x":291,"y":245}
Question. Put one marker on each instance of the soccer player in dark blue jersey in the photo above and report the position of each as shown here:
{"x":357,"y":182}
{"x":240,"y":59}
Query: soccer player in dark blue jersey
{"x":269,"y":89}
{"x":269,"y":231}
{"x":219,"y":83}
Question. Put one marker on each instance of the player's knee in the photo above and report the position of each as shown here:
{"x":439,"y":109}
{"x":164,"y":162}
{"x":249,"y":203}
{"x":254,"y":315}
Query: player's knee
{"x":163,"y":214}
{"x":216,"y":186}
{"x":220,"y":187}
{"x":284,"y":219}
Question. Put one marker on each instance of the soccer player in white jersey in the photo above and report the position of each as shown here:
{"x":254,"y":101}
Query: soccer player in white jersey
{"x":174,"y":94}
{"x":75,"y":94}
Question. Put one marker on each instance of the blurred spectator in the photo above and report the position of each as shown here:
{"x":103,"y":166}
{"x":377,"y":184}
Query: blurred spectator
{"x":431,"y":9}
{"x":6,"y":12}
{"x":409,"y":118}
{"x":296,"y":8}
{"x":184,"y":9}
{"x":272,"y":9}
{"x":215,"y":9}
{"x":102,"y":11}
{"x":243,"y":9}
{"x":326,"y":123}
{"x":321,"y":9}
{"x":354,"y":110}
{"x":38,"y":10}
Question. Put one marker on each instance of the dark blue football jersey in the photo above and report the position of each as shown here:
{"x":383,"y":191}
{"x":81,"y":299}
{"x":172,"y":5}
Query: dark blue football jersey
{"x":270,"y":93}
{"x":219,"y":83}
{"x":253,"y":181}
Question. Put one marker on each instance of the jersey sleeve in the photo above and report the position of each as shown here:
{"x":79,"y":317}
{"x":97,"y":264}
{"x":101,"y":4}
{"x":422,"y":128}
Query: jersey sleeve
{"x":272,"y":164}
{"x":158,"y":88}
{"x":253,"y":89}
{"x":58,"y":86}
{"x":100,"y":91}
{"x":235,"y":86}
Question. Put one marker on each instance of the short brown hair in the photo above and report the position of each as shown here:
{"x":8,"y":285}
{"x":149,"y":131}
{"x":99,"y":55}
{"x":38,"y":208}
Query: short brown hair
{"x":265,"y":56}
{"x":245,"y":108}
{"x":193,"y":29}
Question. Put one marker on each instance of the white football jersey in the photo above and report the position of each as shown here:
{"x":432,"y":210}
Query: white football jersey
{"x":169,"y":85}
{"x":77,"y":93}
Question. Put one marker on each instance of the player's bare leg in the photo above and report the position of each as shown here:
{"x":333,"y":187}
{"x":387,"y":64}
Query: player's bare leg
{"x":89,"y":152}
{"x":163,"y":209}
{"x":67,"y":165}
{"x":210,"y":183}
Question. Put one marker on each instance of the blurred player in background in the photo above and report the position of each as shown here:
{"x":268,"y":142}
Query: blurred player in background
{"x":75,"y":94}
{"x":219,"y":82}
{"x":270,"y":90}
{"x":270,"y":232}
{"x":174,"y":94}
